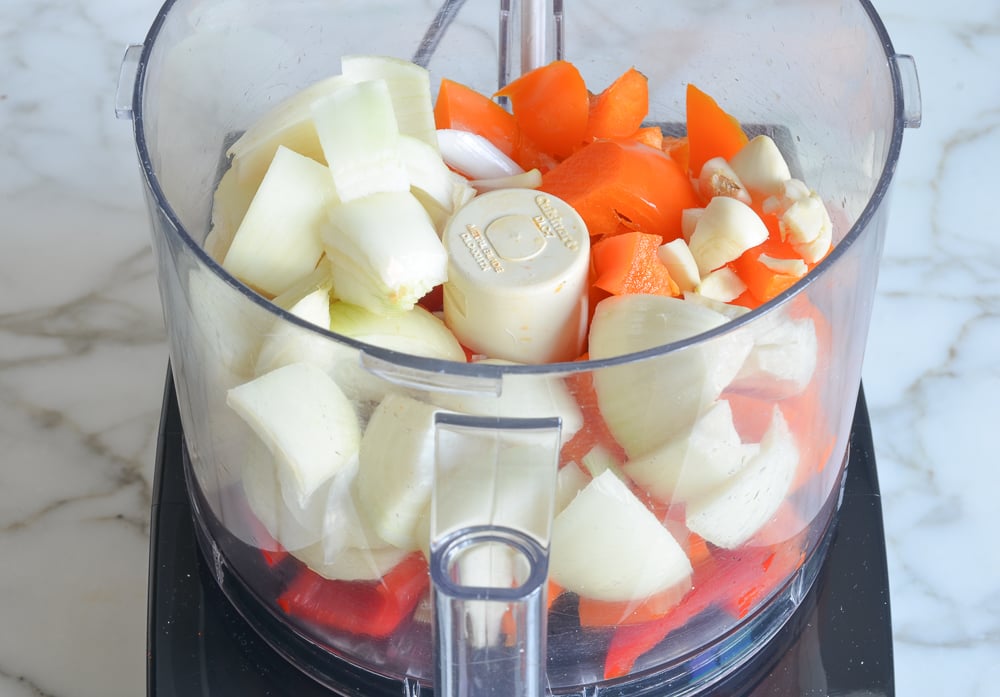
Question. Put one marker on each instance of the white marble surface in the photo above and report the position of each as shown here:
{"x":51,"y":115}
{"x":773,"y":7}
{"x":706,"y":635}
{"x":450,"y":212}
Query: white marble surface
{"x":82,"y":356}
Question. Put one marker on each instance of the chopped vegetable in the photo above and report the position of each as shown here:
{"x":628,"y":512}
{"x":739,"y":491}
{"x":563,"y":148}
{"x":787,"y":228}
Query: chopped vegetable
{"x":351,"y":563}
{"x":680,"y":263}
{"x":761,"y":571}
{"x":722,"y":284}
{"x":607,"y":545}
{"x":285,"y":343}
{"x":415,"y":332}
{"x":384,"y":250}
{"x":783,"y":359}
{"x":305,"y":420}
{"x":396,"y":470}
{"x":570,"y":481}
{"x":730,"y":515}
{"x":630,"y":263}
{"x":532,"y":179}
{"x":289,"y":124}
{"x":649,"y":135}
{"x":763,"y":280}
{"x":694,"y":463}
{"x":718,"y":179}
{"x":761,"y":167}
{"x":278,"y":241}
{"x":606,"y":613}
{"x":689,"y":221}
{"x":733,"y":581}
{"x":679,"y":150}
{"x":430,"y":177}
{"x":271,"y":551}
{"x":803,"y":220}
{"x":619,"y":110}
{"x":474,"y":155}
{"x":360,"y":137}
{"x":462,"y":108}
{"x":629,"y":642}
{"x":409,"y":88}
{"x":647,"y":403}
{"x":620,"y":185}
{"x":370,"y":608}
{"x":551,"y":106}
{"x":601,"y":459}
{"x":725,"y":230}
{"x":711,"y":131}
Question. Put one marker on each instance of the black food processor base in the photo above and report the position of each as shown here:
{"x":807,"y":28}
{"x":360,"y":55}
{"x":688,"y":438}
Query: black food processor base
{"x":839,"y":641}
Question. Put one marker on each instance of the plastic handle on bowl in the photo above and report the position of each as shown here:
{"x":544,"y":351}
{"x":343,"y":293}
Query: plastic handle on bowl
{"x":491,"y":514}
{"x":469,"y":665}
{"x":125,"y":91}
{"x":910,"y":87}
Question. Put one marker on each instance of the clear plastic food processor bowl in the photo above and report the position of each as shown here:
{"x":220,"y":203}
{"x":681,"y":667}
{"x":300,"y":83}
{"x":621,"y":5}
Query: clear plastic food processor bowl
{"x":502,"y":563}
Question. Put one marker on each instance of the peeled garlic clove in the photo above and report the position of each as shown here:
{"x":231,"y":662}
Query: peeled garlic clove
{"x":723,"y":308}
{"x":722,"y":284}
{"x":724,"y":231}
{"x":789,"y":267}
{"x":680,"y":263}
{"x":814,"y":250}
{"x":803,"y":219}
{"x":761,"y":167}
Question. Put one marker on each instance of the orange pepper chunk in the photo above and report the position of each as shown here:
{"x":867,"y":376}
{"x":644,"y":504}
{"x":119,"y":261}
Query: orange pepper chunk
{"x":628,"y":263}
{"x":464,"y":109}
{"x":618,"y":111}
{"x":551,"y":105}
{"x":712,"y":132}
{"x":621,"y":185}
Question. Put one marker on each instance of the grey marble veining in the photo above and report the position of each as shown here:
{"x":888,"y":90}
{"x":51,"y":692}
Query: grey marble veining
{"x":82,"y":356}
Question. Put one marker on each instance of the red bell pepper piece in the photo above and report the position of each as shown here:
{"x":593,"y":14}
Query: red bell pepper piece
{"x":767,"y":568}
{"x":633,"y":640}
{"x":373,"y":608}
{"x":734,"y":580}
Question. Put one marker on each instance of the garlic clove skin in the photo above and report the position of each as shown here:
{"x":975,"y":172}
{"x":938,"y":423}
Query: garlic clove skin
{"x":717,"y":178}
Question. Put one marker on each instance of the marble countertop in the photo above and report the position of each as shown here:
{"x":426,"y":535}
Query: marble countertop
{"x":82,"y":356}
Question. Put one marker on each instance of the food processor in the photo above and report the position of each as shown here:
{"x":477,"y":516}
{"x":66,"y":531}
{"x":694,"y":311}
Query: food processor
{"x":467,"y":551}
